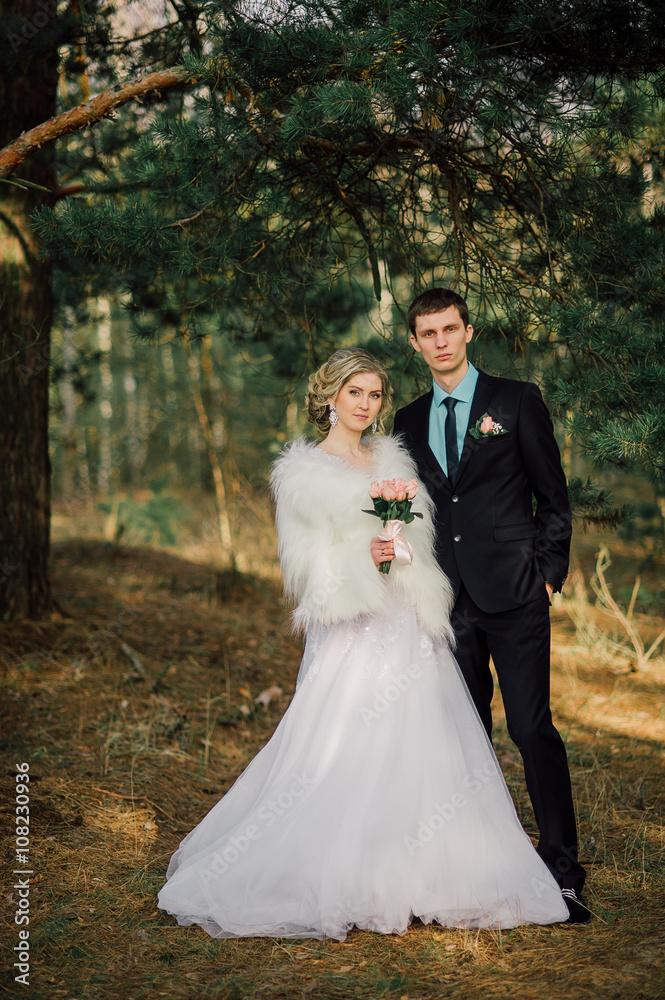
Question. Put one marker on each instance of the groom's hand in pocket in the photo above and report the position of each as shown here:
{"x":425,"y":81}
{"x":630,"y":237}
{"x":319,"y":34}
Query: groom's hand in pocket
{"x":550,"y":590}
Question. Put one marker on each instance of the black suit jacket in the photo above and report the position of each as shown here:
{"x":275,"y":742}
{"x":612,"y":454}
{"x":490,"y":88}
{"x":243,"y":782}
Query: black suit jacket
{"x":488,"y":536}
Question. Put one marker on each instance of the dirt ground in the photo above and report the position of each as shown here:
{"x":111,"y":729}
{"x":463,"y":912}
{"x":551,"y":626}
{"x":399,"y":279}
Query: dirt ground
{"x":135,"y":711}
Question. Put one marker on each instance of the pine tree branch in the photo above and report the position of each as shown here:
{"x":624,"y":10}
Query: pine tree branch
{"x":500,"y":263}
{"x":16,"y":232}
{"x":395,"y":142}
{"x":89,"y":113}
{"x":357,"y":217}
{"x":98,"y":107}
{"x":71,"y":189}
{"x":190,"y":218}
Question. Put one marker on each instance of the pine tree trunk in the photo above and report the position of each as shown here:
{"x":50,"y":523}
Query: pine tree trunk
{"x":200,"y":376}
{"x":27,"y":97}
{"x":66,"y":483}
{"x":104,"y":340}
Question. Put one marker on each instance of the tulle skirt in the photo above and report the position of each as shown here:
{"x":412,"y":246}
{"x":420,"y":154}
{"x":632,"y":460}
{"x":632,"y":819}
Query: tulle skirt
{"x":378,"y":799}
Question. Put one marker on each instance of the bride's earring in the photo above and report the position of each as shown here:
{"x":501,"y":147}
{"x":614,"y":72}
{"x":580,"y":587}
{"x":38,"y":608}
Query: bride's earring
{"x":375,"y":426}
{"x":333,"y":415}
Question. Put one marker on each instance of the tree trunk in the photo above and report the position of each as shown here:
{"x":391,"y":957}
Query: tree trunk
{"x":27,"y":97}
{"x":66,"y":483}
{"x":200,"y":375}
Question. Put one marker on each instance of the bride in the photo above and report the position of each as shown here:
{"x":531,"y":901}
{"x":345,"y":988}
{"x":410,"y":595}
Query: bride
{"x":378,"y":798}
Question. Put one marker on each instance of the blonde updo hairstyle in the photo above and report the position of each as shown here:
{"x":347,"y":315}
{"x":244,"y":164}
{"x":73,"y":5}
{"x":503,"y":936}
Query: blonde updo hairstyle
{"x":340,"y":367}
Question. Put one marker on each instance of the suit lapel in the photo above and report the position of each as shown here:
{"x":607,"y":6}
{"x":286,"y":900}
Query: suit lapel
{"x":479,"y":404}
{"x":419,"y":430}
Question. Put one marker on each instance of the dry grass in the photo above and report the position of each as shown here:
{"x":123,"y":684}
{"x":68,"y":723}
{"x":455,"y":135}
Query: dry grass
{"x":129,"y":710}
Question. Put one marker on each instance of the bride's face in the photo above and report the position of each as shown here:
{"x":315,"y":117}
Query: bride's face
{"x":358,"y":401}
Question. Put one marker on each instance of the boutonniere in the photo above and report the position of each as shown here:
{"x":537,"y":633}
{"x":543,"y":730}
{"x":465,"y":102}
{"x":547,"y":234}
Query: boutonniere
{"x":485,"y":427}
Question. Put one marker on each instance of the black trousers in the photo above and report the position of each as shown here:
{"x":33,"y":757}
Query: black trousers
{"x":519,"y":643}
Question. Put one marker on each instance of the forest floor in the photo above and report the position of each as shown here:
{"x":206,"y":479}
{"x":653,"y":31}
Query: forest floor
{"x":135,"y":711}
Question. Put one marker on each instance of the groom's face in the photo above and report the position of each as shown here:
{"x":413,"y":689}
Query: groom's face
{"x":441,"y":338}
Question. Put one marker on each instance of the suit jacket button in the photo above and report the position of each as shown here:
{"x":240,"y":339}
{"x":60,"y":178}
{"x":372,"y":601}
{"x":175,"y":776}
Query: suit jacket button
{"x":455,"y":499}
{"x":458,"y":538}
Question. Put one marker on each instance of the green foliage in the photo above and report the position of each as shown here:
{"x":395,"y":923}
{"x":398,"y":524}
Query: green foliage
{"x":646,"y":529}
{"x":337,"y":153}
{"x":477,"y":432}
{"x":646,"y":521}
{"x":151,"y":520}
{"x":420,"y":134}
{"x":609,"y":383}
{"x":594,"y":505}
{"x":393,"y":510}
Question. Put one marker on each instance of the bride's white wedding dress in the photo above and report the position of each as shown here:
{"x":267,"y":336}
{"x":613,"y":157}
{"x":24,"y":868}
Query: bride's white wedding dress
{"x":377,"y":799}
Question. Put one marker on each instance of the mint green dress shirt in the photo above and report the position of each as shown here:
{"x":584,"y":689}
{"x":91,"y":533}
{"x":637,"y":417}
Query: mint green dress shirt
{"x":438,"y":415}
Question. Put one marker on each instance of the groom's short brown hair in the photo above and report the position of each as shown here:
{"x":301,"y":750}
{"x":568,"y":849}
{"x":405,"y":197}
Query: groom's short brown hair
{"x":436,"y":300}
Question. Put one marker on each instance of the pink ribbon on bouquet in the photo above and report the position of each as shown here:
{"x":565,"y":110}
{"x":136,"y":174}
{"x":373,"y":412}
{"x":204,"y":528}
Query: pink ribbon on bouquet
{"x":392,"y":533}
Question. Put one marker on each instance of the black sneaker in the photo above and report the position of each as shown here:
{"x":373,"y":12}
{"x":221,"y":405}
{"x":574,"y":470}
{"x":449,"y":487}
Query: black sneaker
{"x":577,"y":908}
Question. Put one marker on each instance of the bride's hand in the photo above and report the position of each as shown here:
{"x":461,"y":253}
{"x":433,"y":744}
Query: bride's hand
{"x":381,"y":551}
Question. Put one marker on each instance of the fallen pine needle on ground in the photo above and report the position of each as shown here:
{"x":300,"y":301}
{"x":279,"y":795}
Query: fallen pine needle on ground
{"x":140,"y":705}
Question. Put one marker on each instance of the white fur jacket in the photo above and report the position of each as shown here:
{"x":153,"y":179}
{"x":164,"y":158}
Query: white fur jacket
{"x":324,"y":539}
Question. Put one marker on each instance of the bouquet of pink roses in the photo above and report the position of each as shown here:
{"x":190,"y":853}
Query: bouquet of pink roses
{"x":392,"y":503}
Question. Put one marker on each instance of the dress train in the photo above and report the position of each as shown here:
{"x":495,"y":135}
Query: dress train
{"x":377,"y":799}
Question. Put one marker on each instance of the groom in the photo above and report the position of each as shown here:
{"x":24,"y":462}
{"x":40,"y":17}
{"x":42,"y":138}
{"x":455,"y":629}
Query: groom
{"x":484,"y":448}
